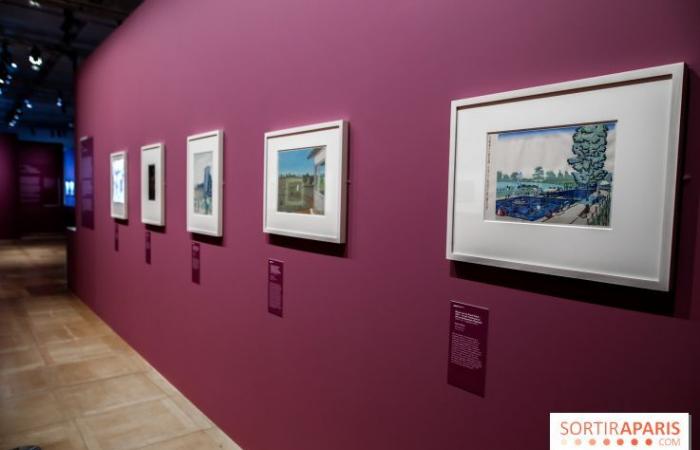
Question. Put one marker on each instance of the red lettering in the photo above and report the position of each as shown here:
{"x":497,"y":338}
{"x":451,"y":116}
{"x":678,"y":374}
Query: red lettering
{"x":676,"y":428}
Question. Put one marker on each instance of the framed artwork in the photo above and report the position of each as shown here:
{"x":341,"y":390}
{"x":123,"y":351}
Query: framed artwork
{"x":87,"y":183}
{"x":205,"y":162}
{"x":152,"y":185}
{"x":305,"y":182}
{"x":118,"y":181}
{"x":575,"y":179}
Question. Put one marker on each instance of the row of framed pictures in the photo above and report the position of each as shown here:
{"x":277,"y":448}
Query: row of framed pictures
{"x":305,"y":182}
{"x":575,"y":179}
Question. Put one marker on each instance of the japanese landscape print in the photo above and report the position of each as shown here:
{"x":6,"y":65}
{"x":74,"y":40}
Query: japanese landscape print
{"x":203,"y":183}
{"x":118,"y":181}
{"x":302,"y":180}
{"x":560,"y":175}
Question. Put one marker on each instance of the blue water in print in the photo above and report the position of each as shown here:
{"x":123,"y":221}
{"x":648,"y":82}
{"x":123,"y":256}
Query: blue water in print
{"x":536,"y":207}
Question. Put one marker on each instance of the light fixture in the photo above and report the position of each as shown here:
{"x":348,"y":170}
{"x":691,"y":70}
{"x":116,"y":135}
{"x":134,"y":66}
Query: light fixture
{"x":13,"y":65}
{"x":59,"y":100}
{"x":35,"y":58}
{"x":28,"y":104}
{"x":34,"y":4}
{"x":12,"y":123}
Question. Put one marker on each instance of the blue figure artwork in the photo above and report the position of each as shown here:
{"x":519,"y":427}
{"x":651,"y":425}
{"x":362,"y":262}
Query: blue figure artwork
{"x":560,"y":175}
{"x":203,"y":183}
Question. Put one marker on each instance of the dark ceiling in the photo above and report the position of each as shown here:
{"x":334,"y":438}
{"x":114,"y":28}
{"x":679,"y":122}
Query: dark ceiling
{"x":65,"y":32}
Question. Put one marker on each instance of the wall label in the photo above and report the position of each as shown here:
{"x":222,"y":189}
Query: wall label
{"x":196,"y":266}
{"x":148,"y":247}
{"x":466,"y":367}
{"x":275,"y":286}
{"x":116,"y":237}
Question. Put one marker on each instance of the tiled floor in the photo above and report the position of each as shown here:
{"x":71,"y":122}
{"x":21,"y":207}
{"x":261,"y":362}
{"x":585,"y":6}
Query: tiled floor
{"x":67,"y":381}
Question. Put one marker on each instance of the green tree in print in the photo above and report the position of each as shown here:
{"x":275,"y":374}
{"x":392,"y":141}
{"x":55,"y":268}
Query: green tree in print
{"x":538,"y":174}
{"x":590,"y":143}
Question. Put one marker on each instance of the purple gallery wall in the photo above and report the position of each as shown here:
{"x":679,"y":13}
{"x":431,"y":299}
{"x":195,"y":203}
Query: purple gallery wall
{"x":8,"y":186}
{"x":31,"y":175}
{"x":359,"y":359}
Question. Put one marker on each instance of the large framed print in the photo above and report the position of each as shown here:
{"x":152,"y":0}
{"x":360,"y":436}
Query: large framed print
{"x":575,"y":179}
{"x":305,"y":182}
{"x":119,"y":185}
{"x":205,"y":162}
{"x":152,"y":185}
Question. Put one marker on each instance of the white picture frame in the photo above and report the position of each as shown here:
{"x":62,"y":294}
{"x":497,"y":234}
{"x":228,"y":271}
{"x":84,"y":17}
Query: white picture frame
{"x":634,"y":247}
{"x":204,"y":208}
{"x":308,"y":198}
{"x":119,"y":185}
{"x":153,"y":184}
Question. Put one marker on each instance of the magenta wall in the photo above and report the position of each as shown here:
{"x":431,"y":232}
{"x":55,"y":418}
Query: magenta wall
{"x":39,"y":208}
{"x":40,"y":166}
{"x":359,"y":360}
{"x":8,"y":186}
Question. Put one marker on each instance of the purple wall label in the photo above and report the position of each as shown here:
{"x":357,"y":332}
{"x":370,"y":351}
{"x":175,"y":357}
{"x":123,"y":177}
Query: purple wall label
{"x":466,"y":367}
{"x":196,"y":266}
{"x":116,"y":237}
{"x":148,"y":247}
{"x":87,"y":193}
{"x":275,"y":286}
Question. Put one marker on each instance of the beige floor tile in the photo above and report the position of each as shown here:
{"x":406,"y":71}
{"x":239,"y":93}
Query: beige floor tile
{"x":162,"y":383}
{"x":68,"y":381}
{"x":96,"y":369}
{"x":222,"y":440}
{"x":60,"y":436}
{"x":20,"y":360}
{"x":16,"y":341}
{"x":68,"y":332}
{"x":56,"y":317}
{"x":24,"y":382}
{"x":104,"y":395}
{"x":29,"y":411}
{"x":204,"y":440}
{"x":192,"y":411}
{"x":13,"y":324}
{"x":135,"y":426}
{"x":82,"y":349}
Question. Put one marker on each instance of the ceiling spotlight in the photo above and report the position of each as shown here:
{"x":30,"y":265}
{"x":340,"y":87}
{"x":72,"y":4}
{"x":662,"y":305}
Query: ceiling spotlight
{"x":35,"y":58}
{"x":12,"y":123}
{"x":34,"y":3}
{"x":59,"y":100}
{"x":28,"y":104}
{"x":13,"y":65}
